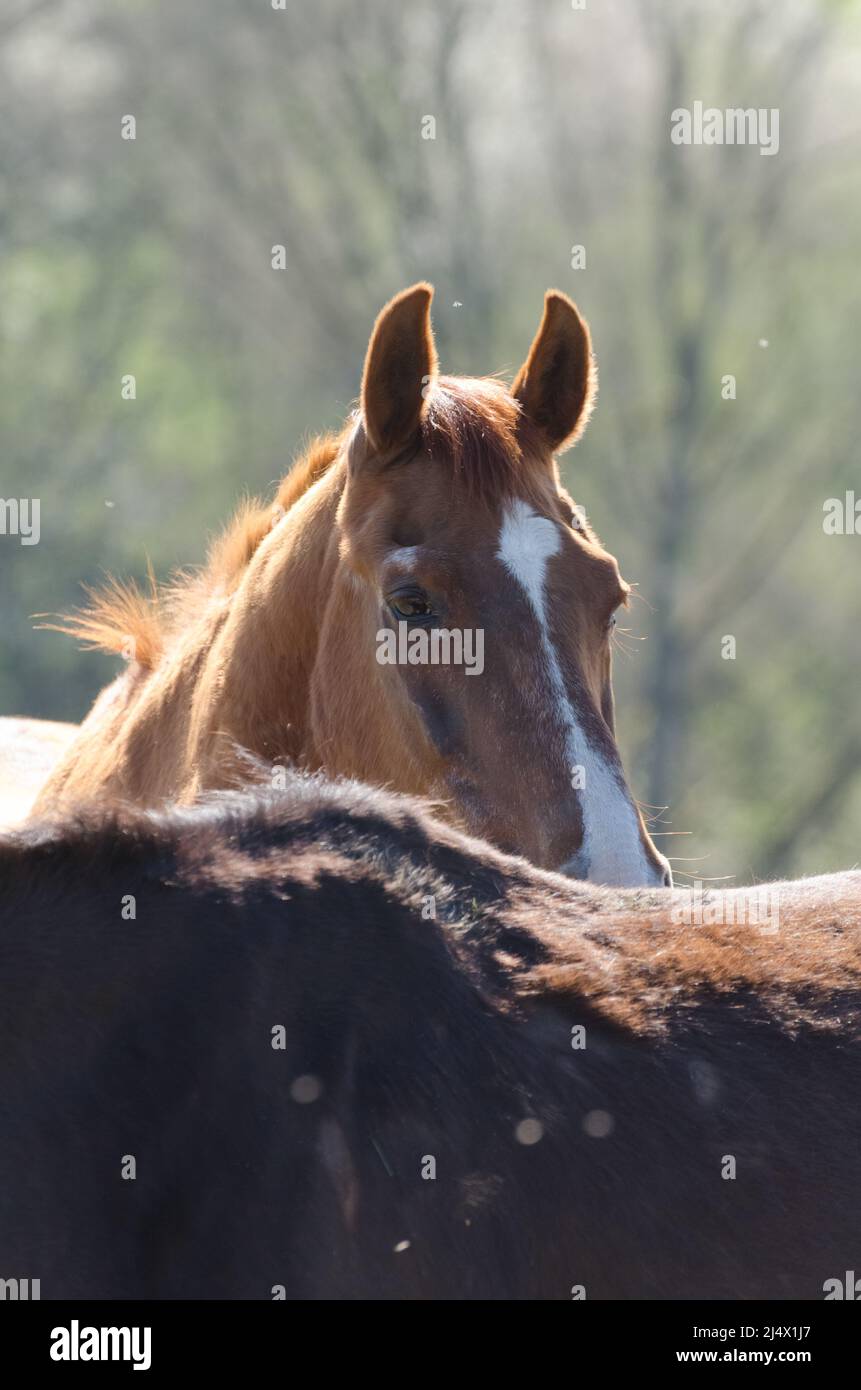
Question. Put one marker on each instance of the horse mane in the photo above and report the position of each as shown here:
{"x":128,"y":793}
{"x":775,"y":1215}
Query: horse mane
{"x":122,"y":616}
{"x":471,"y":425}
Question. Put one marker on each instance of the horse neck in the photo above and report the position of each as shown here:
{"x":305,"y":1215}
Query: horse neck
{"x":234,"y":677}
{"x":253,"y":688}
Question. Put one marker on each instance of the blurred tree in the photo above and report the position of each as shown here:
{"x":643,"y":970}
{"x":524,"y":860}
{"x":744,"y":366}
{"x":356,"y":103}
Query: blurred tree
{"x":306,"y":127}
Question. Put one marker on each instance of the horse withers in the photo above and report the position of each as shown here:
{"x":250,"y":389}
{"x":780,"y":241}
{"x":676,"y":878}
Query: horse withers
{"x":422,"y":607}
{"x":315,"y":1044}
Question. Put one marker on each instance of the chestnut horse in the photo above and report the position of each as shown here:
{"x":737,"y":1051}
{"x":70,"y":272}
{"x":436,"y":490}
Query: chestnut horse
{"x":354,"y":1054}
{"x":421,"y":608}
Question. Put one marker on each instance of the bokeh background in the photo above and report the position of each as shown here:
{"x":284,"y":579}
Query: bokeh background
{"x":303,"y":127}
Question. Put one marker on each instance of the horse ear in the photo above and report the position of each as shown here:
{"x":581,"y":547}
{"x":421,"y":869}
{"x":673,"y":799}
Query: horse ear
{"x":558,"y":381}
{"x":401,"y":362}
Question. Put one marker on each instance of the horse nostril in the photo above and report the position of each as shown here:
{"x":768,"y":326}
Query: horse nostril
{"x":668,"y":877}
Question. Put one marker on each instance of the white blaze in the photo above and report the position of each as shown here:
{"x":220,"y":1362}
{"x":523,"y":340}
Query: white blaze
{"x":612,"y":851}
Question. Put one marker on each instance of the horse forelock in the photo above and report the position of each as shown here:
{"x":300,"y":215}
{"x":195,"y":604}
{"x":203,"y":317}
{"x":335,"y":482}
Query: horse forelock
{"x":475,"y":427}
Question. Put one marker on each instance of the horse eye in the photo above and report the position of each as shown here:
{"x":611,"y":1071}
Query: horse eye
{"x":408,"y":606}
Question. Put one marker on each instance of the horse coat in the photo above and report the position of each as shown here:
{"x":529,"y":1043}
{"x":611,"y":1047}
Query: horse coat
{"x":314,"y":1043}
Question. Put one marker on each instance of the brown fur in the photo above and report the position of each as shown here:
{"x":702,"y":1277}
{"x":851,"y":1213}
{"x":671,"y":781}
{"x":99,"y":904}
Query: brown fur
{"x":118,"y":618}
{"x":647,"y":966}
{"x":401,"y":365}
{"x":557,"y":382}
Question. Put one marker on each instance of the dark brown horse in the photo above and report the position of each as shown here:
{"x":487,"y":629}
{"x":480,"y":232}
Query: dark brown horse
{"x":316,"y":1044}
{"x":421,"y":607}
